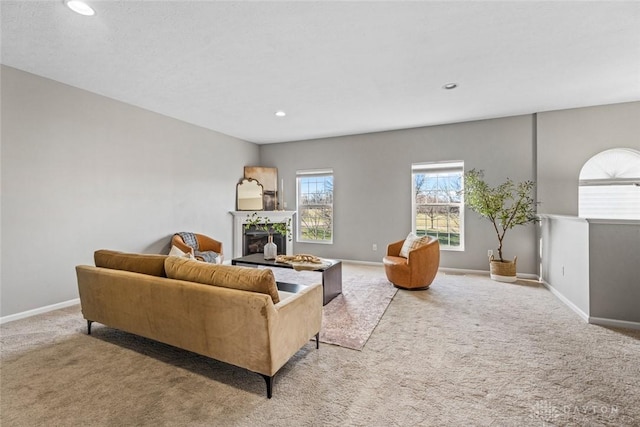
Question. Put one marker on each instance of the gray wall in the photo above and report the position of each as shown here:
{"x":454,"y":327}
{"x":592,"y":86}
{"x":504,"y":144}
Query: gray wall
{"x":594,"y":265}
{"x":372,"y":200}
{"x":568,"y":138}
{"x":372,"y":174}
{"x":82,"y":172}
{"x":614,"y":248}
{"x":565,"y":258}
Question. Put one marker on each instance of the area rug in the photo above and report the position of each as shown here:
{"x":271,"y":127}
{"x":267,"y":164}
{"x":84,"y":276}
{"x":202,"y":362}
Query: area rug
{"x":350,"y":318}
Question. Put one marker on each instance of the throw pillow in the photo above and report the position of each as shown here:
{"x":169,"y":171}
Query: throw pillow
{"x":412,"y":242}
{"x":176,"y":251}
{"x":227,"y":276}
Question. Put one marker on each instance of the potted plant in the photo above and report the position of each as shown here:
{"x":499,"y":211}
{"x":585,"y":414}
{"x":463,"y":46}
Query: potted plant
{"x":260,"y":223}
{"x":505,"y":206}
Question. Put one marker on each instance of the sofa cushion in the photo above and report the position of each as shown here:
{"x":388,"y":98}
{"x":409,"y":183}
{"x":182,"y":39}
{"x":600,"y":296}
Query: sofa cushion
{"x":150,"y":264}
{"x":226,"y":276}
{"x":412,"y":242}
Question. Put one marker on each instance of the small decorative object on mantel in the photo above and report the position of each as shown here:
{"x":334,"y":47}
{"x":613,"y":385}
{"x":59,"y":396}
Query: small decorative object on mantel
{"x":260,"y":223}
{"x":507,"y":205}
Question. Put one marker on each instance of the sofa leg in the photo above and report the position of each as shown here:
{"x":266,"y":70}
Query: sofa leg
{"x":269,"y":381}
{"x":89,"y":322}
{"x":318,"y":340}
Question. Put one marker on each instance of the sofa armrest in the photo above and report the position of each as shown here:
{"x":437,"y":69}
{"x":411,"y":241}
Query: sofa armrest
{"x":298,"y":319}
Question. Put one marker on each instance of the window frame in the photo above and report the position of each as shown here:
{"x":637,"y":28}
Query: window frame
{"x":609,"y":185}
{"x":434,"y":168}
{"x":309,"y":173}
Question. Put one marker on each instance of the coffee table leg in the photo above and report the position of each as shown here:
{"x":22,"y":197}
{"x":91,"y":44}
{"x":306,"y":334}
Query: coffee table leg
{"x":332,"y":282}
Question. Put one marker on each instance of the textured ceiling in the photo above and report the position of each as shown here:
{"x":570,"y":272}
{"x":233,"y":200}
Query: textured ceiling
{"x":336,"y":68}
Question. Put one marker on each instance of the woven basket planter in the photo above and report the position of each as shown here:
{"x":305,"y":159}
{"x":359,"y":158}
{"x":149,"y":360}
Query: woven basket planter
{"x":503,"y":271}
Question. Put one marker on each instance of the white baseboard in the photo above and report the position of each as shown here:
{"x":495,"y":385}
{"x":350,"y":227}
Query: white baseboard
{"x":442,"y":269}
{"x":614,"y":323}
{"x":483,"y":273}
{"x":567,"y":302}
{"x":371,"y":263}
{"x":449,"y":270}
{"x":39,"y":310}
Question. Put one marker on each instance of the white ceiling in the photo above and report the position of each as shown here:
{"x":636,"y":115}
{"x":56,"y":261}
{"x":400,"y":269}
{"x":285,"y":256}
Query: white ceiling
{"x":336,"y":68}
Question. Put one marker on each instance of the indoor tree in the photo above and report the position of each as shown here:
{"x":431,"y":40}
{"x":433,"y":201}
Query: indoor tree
{"x":505,"y":206}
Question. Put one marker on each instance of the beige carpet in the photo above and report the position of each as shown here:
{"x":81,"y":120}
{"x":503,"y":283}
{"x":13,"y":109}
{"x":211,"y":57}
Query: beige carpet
{"x":349,"y":319}
{"x":467,"y":352}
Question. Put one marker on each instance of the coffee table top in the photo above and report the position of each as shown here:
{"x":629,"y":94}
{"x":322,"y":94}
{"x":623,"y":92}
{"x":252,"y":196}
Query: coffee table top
{"x":258,"y":259}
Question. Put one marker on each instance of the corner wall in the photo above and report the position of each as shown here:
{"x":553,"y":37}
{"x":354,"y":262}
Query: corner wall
{"x":568,"y":138}
{"x":614,"y":267}
{"x":82,"y":172}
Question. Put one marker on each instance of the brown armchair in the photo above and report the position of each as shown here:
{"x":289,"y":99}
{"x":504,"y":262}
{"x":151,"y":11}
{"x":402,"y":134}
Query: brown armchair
{"x":418,"y":270}
{"x":205,"y":244}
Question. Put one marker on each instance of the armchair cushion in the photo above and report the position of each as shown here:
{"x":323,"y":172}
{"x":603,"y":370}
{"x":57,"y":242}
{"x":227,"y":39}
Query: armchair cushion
{"x":176,"y":251}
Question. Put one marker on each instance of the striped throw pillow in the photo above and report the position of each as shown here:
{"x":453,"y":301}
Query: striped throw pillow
{"x":412,"y":242}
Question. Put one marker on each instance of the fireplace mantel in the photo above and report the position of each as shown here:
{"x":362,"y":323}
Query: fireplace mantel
{"x":240,"y":219}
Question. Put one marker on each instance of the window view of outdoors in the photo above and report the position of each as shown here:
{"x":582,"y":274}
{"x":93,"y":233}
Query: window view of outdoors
{"x":438,"y":205}
{"x":315,"y":208}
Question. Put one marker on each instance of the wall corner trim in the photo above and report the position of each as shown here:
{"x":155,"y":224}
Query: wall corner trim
{"x":566,"y":301}
{"x":601,"y":321}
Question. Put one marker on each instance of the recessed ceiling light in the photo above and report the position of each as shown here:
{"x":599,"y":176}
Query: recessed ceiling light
{"x":450,"y":86}
{"x":280,"y":113}
{"x":80,"y":7}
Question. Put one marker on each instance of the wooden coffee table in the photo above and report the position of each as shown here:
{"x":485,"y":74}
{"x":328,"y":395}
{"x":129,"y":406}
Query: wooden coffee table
{"x":331,"y":273}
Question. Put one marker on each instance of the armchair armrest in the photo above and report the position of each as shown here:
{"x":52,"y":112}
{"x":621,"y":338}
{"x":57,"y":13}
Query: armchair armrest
{"x":425,"y":260}
{"x":393,"y":249}
{"x":179,"y":243}
{"x":208,"y":244}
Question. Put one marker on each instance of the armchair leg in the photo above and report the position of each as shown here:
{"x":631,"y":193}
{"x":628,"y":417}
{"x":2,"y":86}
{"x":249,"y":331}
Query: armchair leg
{"x":318,"y":340}
{"x":89,"y":322}
{"x":269,"y":381}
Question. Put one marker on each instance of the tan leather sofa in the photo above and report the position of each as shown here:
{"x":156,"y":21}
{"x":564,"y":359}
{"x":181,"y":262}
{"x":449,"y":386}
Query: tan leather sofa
{"x":232,"y":314}
{"x":418,"y":270}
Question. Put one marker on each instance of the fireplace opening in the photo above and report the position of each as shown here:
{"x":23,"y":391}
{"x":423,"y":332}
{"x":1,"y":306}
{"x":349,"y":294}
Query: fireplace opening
{"x":254,"y":240}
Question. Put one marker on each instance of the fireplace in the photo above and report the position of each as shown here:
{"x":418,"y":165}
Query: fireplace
{"x":255,"y":238}
{"x":258,"y":238}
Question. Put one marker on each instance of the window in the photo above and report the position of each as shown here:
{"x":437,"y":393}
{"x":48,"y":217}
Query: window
{"x":610,"y":185}
{"x":438,"y":205}
{"x":315,"y":206}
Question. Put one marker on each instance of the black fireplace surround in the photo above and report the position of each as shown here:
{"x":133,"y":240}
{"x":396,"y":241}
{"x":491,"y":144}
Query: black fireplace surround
{"x":254,"y":238}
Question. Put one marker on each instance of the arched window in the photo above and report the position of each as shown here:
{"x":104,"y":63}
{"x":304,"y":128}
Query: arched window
{"x":610,"y":185}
